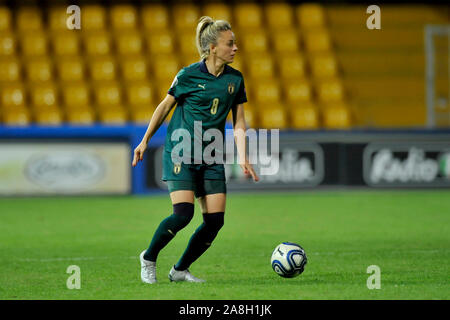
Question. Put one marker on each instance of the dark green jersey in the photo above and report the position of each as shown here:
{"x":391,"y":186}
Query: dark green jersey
{"x":203,"y":97}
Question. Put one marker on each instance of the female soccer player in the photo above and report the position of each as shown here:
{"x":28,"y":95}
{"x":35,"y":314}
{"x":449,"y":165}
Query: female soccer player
{"x":205,"y":91}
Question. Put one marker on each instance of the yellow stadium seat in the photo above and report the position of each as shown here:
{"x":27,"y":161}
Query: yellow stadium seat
{"x":107,"y":94}
{"x":161,"y":89}
{"x":186,"y":43}
{"x":134,"y":68}
{"x":238,"y":62}
{"x":5,"y":19}
{"x":140,"y":93}
{"x":248,"y":15}
{"x":291,"y":66}
{"x":337,"y":116}
{"x":83,"y":115}
{"x":323,"y":66}
{"x":43,"y":96}
{"x":51,"y":116}
{"x":251,"y":118}
{"x":70,"y":69}
{"x":304,"y":116}
{"x":279,"y":15}
{"x":12,"y":95}
{"x":7,"y":44}
{"x":128,"y":43}
{"x":297,"y":92}
{"x":123,"y":17}
{"x":286,"y":41}
{"x":75,"y":95}
{"x":19,"y":116}
{"x":272,"y":116}
{"x":141,"y":114}
{"x":65,"y":43}
{"x":113,"y":116}
{"x":155,"y":17}
{"x":9,"y":69}
{"x":102,"y":68}
{"x":29,"y":19}
{"x":57,"y":18}
{"x":97,"y":43}
{"x":317,"y":40}
{"x":165,"y":67}
{"x":93,"y":17}
{"x":185,"y":16}
{"x":218,"y":11}
{"x":34,"y":44}
{"x":254,"y":41}
{"x":38,"y":69}
{"x":260,"y":67}
{"x":310,"y":15}
{"x":160,"y":42}
{"x":188,"y":59}
{"x":330,"y":91}
{"x":266,"y":91}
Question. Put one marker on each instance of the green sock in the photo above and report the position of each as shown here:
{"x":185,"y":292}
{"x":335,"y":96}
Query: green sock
{"x":168,"y":228}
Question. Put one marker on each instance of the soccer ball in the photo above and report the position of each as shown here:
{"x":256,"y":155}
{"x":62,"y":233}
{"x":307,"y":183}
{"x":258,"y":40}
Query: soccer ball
{"x":288,"y":260}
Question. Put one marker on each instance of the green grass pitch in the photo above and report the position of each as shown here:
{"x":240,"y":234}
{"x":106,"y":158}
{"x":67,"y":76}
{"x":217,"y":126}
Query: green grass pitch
{"x":405,"y":233}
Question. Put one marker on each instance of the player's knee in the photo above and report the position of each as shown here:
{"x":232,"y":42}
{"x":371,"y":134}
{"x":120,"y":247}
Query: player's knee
{"x":184,"y":211}
{"x":214,"y":221}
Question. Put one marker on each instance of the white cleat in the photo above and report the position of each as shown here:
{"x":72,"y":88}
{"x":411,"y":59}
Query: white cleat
{"x":148,"y":270}
{"x":185,"y":275}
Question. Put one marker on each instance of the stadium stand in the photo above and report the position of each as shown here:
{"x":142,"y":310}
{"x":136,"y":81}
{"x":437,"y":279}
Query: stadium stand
{"x":307,"y":66}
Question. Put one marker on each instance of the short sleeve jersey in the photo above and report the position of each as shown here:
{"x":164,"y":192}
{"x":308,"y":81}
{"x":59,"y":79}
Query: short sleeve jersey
{"x":201,"y":96}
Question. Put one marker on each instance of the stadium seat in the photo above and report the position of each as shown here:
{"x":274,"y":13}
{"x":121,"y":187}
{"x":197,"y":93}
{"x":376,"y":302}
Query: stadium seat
{"x":154,"y":17}
{"x":7,"y":44}
{"x":38,"y":69}
{"x":185,"y":16}
{"x":238,"y":62}
{"x":291,"y":66}
{"x":57,"y":18}
{"x":43,"y":96}
{"x":52,"y":116}
{"x":279,"y":16}
{"x":134,"y":68}
{"x":297,"y":92}
{"x":286,"y":41}
{"x":304,"y":116}
{"x":141,"y":114}
{"x":107,"y":94}
{"x":254,"y":41}
{"x":317,"y":40}
{"x":102,"y":68}
{"x":323,"y":66}
{"x":165,"y":68}
{"x":12,"y":95}
{"x":248,"y":16}
{"x":65,"y":43}
{"x":34,"y":44}
{"x":250,"y":113}
{"x":140,"y":93}
{"x":19,"y":116}
{"x":5,"y":19}
{"x":70,"y":69}
{"x":29,"y":19}
{"x":272,"y":116}
{"x":128,"y":42}
{"x":82,"y":115}
{"x":75,"y":95}
{"x":113,"y":116}
{"x":93,"y":18}
{"x":97,"y":43}
{"x":337,"y":116}
{"x":330,"y":91}
{"x":123,"y":17}
{"x":186,"y":43}
{"x":310,"y":15}
{"x":266,"y":91}
{"x":160,"y":42}
{"x":188,"y":59}
{"x":260,"y":67}
{"x":10,"y":70}
{"x":218,"y":11}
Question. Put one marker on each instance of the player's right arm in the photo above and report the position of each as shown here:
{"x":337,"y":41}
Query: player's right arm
{"x":157,"y":119}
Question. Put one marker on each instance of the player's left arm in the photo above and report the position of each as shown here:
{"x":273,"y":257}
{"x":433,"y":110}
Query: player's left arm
{"x":239,"y":128}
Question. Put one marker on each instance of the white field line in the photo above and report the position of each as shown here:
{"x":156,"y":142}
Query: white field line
{"x":327,"y":253}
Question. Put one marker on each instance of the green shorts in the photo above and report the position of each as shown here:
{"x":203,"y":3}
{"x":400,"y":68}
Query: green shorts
{"x":203,"y":179}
